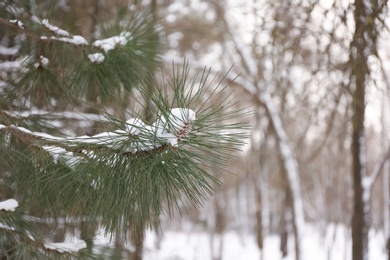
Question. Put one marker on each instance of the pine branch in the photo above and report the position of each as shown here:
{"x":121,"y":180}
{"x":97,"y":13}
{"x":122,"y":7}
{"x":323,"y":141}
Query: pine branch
{"x":121,"y":179}
{"x":18,"y":239}
{"x":141,"y":170}
{"x":137,"y":139}
{"x":121,"y":60}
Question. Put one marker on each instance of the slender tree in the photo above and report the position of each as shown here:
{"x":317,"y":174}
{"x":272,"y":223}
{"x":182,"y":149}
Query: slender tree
{"x":366,"y":16}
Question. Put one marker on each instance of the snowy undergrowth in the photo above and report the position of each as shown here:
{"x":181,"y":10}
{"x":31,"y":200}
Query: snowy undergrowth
{"x":335,"y":244}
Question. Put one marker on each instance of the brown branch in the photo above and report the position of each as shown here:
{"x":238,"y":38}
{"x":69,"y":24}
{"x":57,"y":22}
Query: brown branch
{"x":375,"y":173}
{"x":328,"y":130}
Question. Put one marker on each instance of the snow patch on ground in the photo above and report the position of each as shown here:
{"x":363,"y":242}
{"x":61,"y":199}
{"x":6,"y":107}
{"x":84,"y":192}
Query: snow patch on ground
{"x":334,"y":243}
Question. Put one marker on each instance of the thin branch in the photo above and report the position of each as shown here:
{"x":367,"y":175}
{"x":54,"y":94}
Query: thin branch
{"x":56,"y":115}
{"x":376,"y":171}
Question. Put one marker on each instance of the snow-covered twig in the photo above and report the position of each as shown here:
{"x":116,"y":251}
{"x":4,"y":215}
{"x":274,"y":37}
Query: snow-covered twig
{"x":168,"y":129}
{"x":18,"y":23}
{"x":56,"y":115}
{"x":75,"y":39}
{"x":10,"y":65}
{"x":54,"y":29}
{"x":66,"y":247}
{"x":112,"y":42}
{"x":5,"y":51}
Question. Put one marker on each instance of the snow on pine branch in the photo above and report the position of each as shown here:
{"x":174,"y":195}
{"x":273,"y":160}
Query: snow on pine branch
{"x":9,"y":205}
{"x":112,"y":42}
{"x":43,"y":61}
{"x":168,"y":129}
{"x":56,"y":115}
{"x":18,"y":23}
{"x":5,"y":51}
{"x":62,"y":35}
{"x":75,"y":39}
{"x":146,"y":137}
{"x":96,"y":57}
{"x":66,"y":247}
{"x":54,"y":29}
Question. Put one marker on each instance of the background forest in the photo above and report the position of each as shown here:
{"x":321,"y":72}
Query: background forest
{"x":309,"y":77}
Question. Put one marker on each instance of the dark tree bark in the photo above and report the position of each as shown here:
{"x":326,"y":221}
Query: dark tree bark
{"x":259,"y":218}
{"x":361,"y":47}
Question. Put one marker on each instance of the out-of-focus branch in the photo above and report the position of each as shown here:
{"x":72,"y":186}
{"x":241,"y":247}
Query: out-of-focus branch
{"x":377,"y":170}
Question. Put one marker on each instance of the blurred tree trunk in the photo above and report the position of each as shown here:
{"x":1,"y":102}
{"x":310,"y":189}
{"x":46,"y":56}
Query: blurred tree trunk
{"x":285,"y":221}
{"x":360,"y":70}
{"x":219,"y":225}
{"x":259,"y":218}
{"x":283,"y":233}
{"x":118,"y":245}
{"x":87,"y":233}
{"x":257,"y":163}
{"x":386,"y":174}
{"x":138,"y":249}
{"x":386,"y":204}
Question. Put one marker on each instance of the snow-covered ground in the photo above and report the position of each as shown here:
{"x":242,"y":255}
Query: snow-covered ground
{"x":334,"y":244}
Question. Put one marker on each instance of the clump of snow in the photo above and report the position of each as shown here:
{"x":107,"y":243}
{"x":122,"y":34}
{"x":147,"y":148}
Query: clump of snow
{"x":78,"y":40}
{"x":2,"y":226}
{"x":134,"y":126}
{"x":18,"y":23}
{"x":59,"y":153}
{"x":8,"y":51}
{"x":10,"y":65}
{"x":54,"y":29}
{"x":170,"y":138}
{"x":112,"y":42}
{"x":179,"y":121}
{"x":66,"y":247}
{"x":75,"y":39}
{"x":9,"y":205}
{"x":96,"y":58}
{"x":43,"y":61}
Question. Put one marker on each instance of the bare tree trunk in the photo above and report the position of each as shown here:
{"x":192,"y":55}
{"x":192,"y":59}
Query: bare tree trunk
{"x":257,"y":160}
{"x":386,"y":177}
{"x":358,"y":58}
{"x":138,"y":249}
{"x":386,"y":204}
{"x":285,"y":221}
{"x":290,"y":169}
{"x":259,"y":218}
{"x":219,"y":225}
{"x":87,"y":233}
{"x":255,"y":86}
